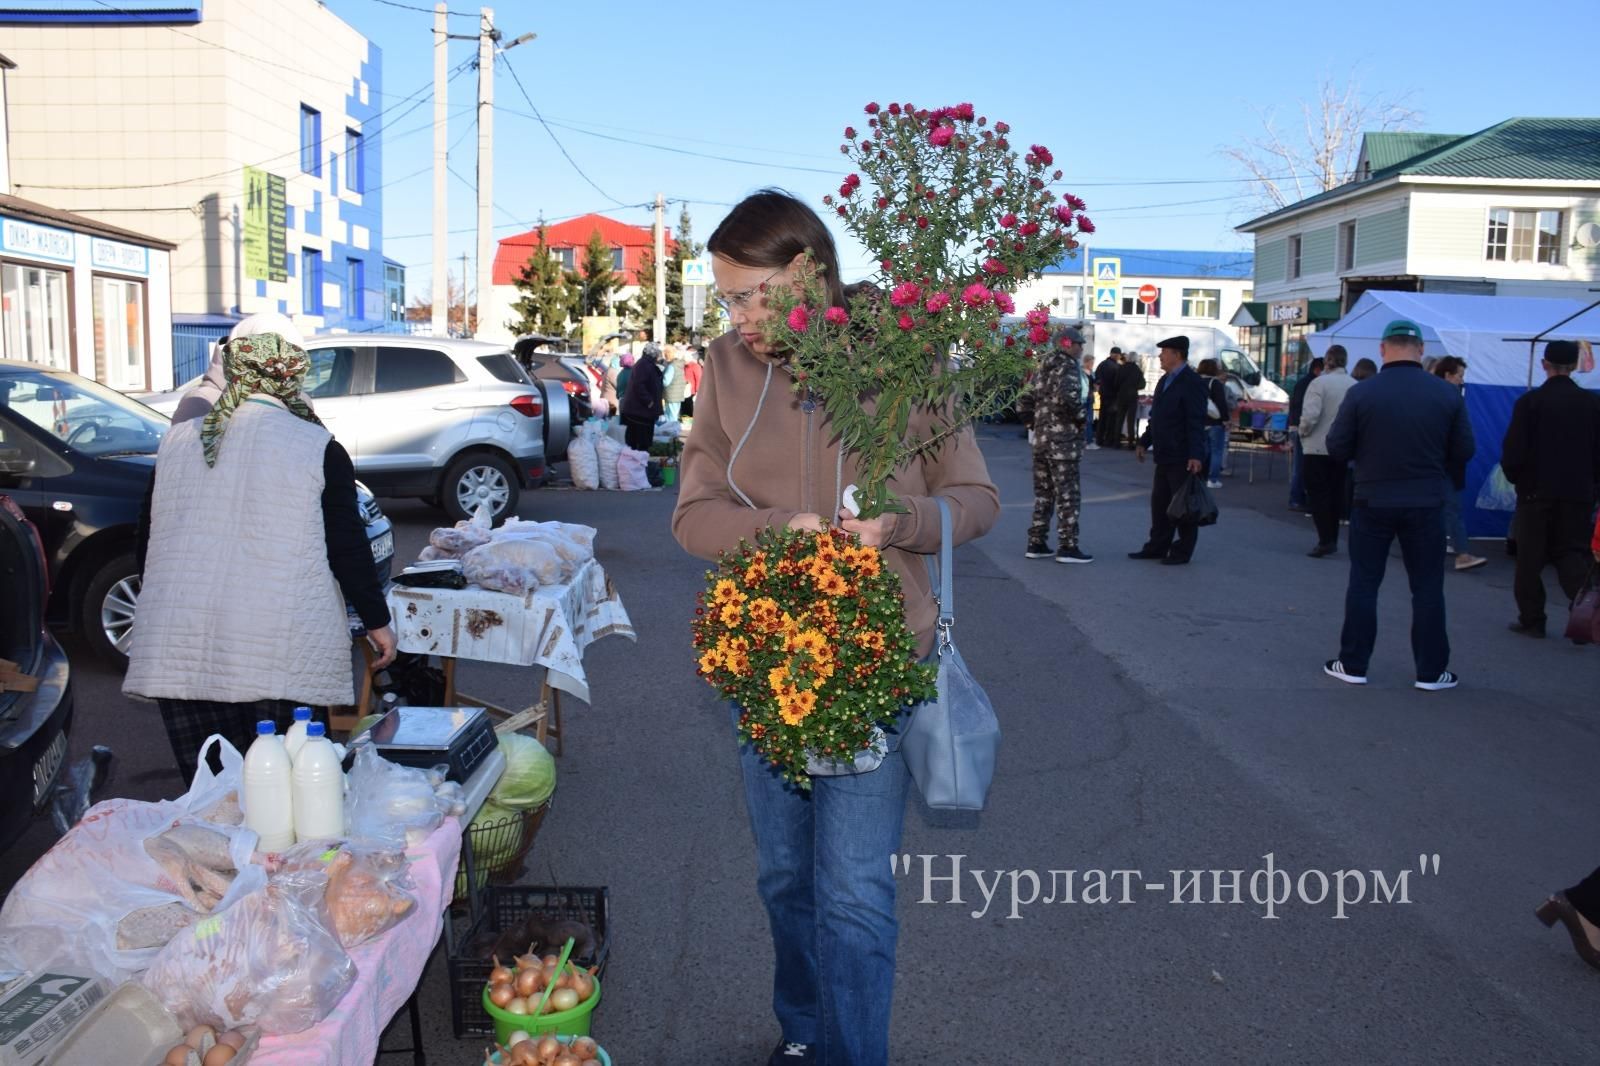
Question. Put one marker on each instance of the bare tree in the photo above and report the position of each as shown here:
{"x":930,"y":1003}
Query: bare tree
{"x":1319,"y":152}
{"x":457,"y":310}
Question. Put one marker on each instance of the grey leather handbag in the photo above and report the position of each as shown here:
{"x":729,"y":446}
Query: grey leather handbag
{"x":951,"y":740}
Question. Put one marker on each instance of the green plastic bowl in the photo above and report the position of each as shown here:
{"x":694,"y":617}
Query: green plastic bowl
{"x":574,"y":1022}
{"x":605,"y":1060}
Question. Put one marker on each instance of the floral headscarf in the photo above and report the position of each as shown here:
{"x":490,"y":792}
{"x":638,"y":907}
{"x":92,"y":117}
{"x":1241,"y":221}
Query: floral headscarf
{"x":266,"y":364}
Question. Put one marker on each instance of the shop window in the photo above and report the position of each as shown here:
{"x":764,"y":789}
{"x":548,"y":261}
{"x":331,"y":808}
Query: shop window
{"x":1524,"y":236}
{"x":1347,"y":246}
{"x":1294,"y":256}
{"x":355,"y":162}
{"x":311,"y":281}
{"x":1202,"y":303}
{"x":567,"y":257}
{"x":33,"y":315}
{"x":355,"y":287}
{"x":1133,"y":306}
{"x":616,"y":259}
{"x":119,"y":331}
{"x":310,"y":140}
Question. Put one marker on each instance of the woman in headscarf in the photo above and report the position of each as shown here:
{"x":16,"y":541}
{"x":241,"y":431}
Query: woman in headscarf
{"x":252,"y":544}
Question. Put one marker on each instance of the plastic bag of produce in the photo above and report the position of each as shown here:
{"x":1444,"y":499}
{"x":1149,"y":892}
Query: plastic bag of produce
{"x":607,"y":449}
{"x":530,"y":774}
{"x":131,"y":875}
{"x":631,"y":470}
{"x":389,"y":805}
{"x":368,"y":888}
{"x":1497,"y":493}
{"x":514,"y":566}
{"x":271,"y":960}
{"x":582,"y":459}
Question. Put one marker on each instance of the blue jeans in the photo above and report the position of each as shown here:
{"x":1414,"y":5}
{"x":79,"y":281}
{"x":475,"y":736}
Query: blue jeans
{"x":1297,"y":479}
{"x":1454,"y":527}
{"x":1216,"y":450}
{"x":1420,"y":531}
{"x":823,"y":873}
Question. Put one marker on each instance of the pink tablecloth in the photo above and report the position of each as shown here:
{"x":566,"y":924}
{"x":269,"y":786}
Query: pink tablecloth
{"x":387,"y":969}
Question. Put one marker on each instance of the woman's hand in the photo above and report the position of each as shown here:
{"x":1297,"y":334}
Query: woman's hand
{"x":811,"y":523}
{"x":383,"y":642}
{"x":874,"y":532}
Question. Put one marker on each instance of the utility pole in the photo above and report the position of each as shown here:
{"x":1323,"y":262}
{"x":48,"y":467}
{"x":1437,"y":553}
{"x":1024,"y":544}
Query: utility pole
{"x":441,"y":152}
{"x":465,"y":322}
{"x":487,"y":37}
{"x":659,"y":330}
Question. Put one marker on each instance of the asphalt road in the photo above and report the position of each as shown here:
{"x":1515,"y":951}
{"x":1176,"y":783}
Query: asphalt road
{"x":1156,"y":719}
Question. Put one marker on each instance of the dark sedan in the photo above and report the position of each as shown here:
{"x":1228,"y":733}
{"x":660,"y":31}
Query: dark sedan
{"x":77,"y":457}
{"x":35,"y":688}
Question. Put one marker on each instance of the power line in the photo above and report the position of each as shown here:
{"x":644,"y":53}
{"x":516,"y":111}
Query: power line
{"x":552,"y":134}
{"x":425,"y":10}
{"x":667,"y":148}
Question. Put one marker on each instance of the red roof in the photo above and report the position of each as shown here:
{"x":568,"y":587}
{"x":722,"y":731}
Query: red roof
{"x":513,"y":252}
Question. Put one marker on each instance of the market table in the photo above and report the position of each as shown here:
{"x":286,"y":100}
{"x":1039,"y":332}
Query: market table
{"x":549,"y":626}
{"x":388,"y":968}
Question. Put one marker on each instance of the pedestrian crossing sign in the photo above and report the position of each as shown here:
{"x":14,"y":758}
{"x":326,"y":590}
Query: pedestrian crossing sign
{"x":1105,"y":298}
{"x":695,"y":272}
{"x":1107,"y":271}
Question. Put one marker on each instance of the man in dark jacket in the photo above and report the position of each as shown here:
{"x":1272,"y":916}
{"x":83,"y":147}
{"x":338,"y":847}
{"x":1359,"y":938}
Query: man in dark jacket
{"x":1130,"y":382}
{"x":1552,"y":455}
{"x":642,"y":404}
{"x":1406,"y":430}
{"x":1177,"y":437}
{"x":1105,"y":383}
{"x":1297,"y":403}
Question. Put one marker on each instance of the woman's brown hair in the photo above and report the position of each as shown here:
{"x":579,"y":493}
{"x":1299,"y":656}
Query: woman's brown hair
{"x":769,"y":228}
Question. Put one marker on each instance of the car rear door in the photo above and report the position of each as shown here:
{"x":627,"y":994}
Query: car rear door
{"x":416,"y":415}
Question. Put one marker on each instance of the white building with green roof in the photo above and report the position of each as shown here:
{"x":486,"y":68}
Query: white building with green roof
{"x":1513,"y":210}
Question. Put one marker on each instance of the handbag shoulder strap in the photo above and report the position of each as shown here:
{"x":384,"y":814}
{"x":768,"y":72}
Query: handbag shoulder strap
{"x":939,"y":576}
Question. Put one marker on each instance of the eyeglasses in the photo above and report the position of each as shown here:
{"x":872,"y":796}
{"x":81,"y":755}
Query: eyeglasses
{"x":732,"y":301}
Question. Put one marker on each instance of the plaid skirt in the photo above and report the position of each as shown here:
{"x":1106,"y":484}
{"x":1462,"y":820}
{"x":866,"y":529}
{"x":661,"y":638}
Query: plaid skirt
{"x":190,"y":722}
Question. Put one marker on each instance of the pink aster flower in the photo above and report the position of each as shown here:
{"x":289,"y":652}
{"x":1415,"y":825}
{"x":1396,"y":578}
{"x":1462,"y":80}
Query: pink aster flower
{"x":1008,"y":220}
{"x":836,"y":316}
{"x":846,"y":189}
{"x":963,"y":112}
{"x":976,"y":295}
{"x":922,"y":221}
{"x":894,"y":109}
{"x":872,"y":109}
{"x":937,"y":302}
{"x":940,"y":136}
{"x":887,"y":264}
{"x":1003,"y":301}
{"x":906,"y":321}
{"x":1043,"y":154}
{"x":1038,"y":335}
{"x":905,"y":294}
{"x":854,"y":180}
{"x":800,"y":318}
{"x":1064,"y":214}
{"x":1002,"y":128}
{"x":1084,"y":225}
{"x":1028,"y":229}
{"x":849,"y":133}
{"x":1038,"y":317}
{"x":994,"y":266}
{"x":1075,"y":203}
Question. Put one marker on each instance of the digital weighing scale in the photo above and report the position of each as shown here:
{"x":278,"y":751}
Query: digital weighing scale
{"x":424,"y":737}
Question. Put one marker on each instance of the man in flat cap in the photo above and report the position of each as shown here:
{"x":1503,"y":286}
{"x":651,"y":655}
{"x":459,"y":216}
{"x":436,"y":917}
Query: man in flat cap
{"x":1552,"y":455}
{"x":1406,"y":430}
{"x":1059,"y":397}
{"x":1177,"y":437}
{"x":1130,"y":382}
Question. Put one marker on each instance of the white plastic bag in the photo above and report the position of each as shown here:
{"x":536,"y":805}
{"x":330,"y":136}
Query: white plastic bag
{"x":389,"y":805}
{"x":632,"y":475}
{"x":582,"y":459}
{"x":607,"y":449}
{"x":272,"y":960}
{"x":514,"y":566}
{"x":369,"y":889}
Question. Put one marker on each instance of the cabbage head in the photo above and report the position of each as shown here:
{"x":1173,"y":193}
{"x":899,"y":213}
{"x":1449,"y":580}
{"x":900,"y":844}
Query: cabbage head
{"x":530,"y":775}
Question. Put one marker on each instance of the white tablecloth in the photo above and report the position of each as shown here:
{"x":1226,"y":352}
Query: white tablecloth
{"x":549,"y":627}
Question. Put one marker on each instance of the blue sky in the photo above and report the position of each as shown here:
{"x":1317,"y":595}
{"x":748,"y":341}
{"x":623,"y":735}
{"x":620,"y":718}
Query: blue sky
{"x":1135,"y":100}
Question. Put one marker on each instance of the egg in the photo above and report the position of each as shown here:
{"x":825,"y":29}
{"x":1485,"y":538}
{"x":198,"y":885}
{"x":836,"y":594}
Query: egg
{"x":220,"y":1055}
{"x":180,"y":1056}
{"x":233,"y":1038}
{"x":198,"y":1034}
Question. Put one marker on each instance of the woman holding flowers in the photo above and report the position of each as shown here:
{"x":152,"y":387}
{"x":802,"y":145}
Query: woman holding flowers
{"x":764,"y":454}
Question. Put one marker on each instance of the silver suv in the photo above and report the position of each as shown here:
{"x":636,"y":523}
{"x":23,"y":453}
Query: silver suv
{"x":455,"y":422}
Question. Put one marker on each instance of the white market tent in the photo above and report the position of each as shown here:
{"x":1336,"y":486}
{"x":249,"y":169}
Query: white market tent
{"x":1493,"y":334}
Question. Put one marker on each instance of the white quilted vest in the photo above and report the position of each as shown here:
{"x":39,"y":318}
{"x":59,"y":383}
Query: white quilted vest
{"x":238,"y":602}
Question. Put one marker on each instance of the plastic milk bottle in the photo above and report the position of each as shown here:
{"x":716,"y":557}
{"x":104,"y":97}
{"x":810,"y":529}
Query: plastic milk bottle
{"x":268,"y":796}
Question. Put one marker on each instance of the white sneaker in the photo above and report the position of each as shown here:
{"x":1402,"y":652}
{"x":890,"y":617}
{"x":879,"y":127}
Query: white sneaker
{"x":1213,"y":484}
{"x":1091,"y":447}
{"x":1335,"y":668}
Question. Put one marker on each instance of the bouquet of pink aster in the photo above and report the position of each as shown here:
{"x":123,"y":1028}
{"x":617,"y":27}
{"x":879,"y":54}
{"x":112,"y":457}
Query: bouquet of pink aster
{"x":957,"y":219}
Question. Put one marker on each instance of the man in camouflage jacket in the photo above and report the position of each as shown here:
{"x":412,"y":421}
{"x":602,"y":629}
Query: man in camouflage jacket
{"x":1053,"y":408}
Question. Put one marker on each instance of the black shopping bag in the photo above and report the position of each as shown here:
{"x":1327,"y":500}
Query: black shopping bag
{"x":1193,"y":504}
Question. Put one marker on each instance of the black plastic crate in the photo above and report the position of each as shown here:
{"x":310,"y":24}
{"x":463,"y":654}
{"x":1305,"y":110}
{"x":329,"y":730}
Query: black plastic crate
{"x":504,"y":908}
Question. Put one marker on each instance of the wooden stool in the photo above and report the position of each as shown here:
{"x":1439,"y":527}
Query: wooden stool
{"x":544,"y":716}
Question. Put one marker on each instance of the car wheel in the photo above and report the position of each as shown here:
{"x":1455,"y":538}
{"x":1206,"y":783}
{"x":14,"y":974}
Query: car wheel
{"x":476,"y":478}
{"x":109,"y":601}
